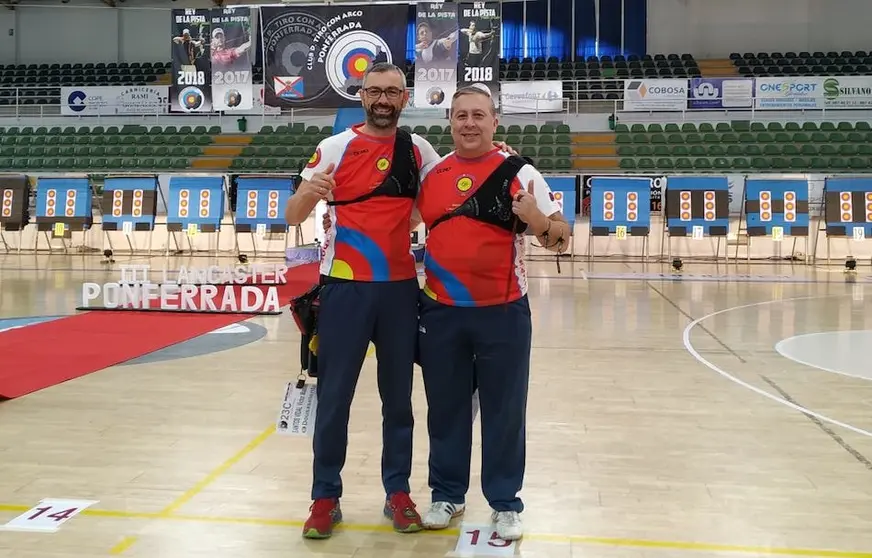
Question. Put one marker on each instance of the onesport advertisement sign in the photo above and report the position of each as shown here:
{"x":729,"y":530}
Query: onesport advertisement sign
{"x":655,"y":94}
{"x":789,"y":93}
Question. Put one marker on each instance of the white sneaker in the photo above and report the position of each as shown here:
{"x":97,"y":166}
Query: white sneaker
{"x":509,"y":526}
{"x":440,"y":514}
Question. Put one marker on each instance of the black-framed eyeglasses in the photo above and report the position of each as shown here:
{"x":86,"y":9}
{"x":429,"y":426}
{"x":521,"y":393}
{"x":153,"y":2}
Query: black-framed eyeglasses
{"x":392,"y":93}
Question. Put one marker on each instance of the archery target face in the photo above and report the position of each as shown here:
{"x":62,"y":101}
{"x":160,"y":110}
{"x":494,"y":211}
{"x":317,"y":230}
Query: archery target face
{"x":350,"y":57}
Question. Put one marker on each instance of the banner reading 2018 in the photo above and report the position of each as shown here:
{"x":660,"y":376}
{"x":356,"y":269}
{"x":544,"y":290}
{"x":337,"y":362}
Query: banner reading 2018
{"x":231,"y":55}
{"x":192,"y":69}
{"x":436,"y":35}
{"x":316,"y":56}
{"x":479,"y":49}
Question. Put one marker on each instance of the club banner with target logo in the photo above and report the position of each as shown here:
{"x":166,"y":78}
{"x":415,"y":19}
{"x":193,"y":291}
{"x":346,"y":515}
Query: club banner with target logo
{"x":14,"y":200}
{"x":231,"y":56}
{"x":191,"y":89}
{"x":63,"y":202}
{"x":849,"y":207}
{"x":129,"y":203}
{"x":436,"y":43}
{"x":316,"y":56}
{"x":261,"y":201}
{"x":479,"y":46}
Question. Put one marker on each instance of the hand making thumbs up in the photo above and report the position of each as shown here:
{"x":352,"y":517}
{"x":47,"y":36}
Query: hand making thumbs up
{"x":525,"y":207}
{"x":321,"y":183}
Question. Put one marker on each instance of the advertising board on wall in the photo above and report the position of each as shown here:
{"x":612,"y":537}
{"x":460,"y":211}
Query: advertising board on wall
{"x":655,"y":94}
{"x":530,"y":97}
{"x":847,"y":92}
{"x":721,"y":93}
{"x":117,"y":100}
{"x":788,"y":93}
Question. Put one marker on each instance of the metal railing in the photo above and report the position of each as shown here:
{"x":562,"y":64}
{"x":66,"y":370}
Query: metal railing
{"x":33,"y":102}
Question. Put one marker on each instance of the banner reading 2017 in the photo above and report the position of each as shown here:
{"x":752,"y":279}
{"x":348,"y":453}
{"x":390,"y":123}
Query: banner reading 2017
{"x":436,"y":35}
{"x":479,"y":47}
{"x":231,"y":56}
{"x":192,"y":69}
{"x":316,"y":56}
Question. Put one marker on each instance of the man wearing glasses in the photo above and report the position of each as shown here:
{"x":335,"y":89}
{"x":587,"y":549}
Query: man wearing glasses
{"x":369,"y":176}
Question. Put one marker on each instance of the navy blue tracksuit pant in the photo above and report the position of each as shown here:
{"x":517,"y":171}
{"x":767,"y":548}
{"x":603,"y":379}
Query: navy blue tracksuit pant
{"x":351,"y":314}
{"x":499,"y":338}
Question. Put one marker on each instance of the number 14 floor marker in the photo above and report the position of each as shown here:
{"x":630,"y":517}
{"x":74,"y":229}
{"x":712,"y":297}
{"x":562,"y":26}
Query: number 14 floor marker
{"x":48,"y":515}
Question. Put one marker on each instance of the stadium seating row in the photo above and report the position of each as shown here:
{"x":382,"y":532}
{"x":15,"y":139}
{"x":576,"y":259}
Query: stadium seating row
{"x":287,"y":147}
{"x":741,"y":164}
{"x":746,"y":146}
{"x":767,"y":64}
{"x":743,"y":126}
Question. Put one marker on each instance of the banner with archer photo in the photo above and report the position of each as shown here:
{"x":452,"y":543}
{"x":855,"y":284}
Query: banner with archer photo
{"x":436,"y":36}
{"x":479,"y":46}
{"x":190,"y":90}
{"x":232,"y":56}
{"x":316,"y":56}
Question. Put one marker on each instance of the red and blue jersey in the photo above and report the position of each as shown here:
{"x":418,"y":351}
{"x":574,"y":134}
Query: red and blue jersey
{"x":366,"y":241}
{"x":469,"y":262}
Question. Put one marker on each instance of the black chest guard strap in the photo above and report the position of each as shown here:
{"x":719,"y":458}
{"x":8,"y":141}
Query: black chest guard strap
{"x":405,"y":176}
{"x":492,"y":202}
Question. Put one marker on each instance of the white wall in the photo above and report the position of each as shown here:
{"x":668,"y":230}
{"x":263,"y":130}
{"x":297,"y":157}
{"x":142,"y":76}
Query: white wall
{"x":88,"y":31}
{"x":714,"y":29}
{"x":7,"y":41}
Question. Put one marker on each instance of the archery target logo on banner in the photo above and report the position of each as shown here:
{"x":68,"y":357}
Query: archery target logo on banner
{"x":190,"y":98}
{"x":350,"y":57}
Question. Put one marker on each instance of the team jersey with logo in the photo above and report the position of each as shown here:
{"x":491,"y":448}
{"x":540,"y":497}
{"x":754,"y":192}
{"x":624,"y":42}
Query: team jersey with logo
{"x":469,"y":262}
{"x":369,"y":240}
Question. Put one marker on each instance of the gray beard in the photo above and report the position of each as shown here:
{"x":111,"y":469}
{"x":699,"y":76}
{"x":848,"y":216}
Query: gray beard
{"x":382,"y":122}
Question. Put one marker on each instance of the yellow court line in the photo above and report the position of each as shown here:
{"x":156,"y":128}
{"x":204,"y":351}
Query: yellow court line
{"x":125,"y":543}
{"x":543,"y":537}
{"x":220,"y":470}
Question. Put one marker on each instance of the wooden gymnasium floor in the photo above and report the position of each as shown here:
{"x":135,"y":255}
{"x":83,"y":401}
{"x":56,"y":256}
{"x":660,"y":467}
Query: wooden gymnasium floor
{"x":642,"y":443}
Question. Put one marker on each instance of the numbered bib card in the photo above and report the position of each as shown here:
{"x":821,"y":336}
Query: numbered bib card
{"x":49,"y":515}
{"x":436,"y":38}
{"x":482,"y":540}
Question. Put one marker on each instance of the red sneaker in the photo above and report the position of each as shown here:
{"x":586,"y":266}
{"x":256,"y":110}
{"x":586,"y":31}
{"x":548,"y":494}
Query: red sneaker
{"x":325,"y":513}
{"x":401,"y":509}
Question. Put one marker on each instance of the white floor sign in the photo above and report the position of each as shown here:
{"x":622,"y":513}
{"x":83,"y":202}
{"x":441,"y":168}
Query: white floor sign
{"x":48,"y":515}
{"x":482,"y":540}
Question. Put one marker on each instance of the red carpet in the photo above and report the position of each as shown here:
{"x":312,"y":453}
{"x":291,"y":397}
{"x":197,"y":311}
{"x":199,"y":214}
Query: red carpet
{"x":49,"y":353}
